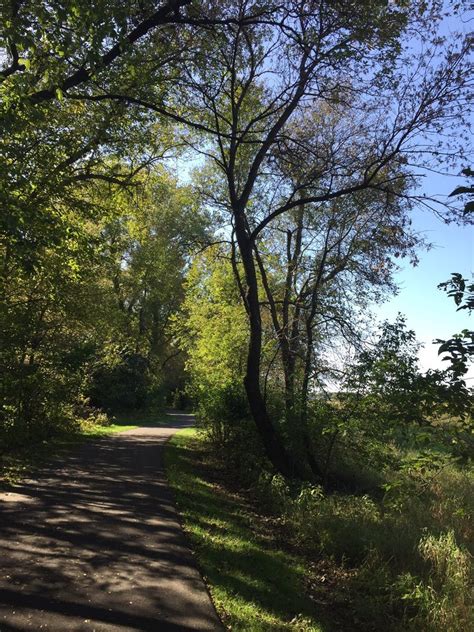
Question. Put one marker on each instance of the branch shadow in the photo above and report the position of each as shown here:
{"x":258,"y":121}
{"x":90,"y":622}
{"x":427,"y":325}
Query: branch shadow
{"x":95,"y":536}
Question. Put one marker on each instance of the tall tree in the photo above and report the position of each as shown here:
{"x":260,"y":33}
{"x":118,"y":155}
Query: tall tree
{"x":261,"y":71}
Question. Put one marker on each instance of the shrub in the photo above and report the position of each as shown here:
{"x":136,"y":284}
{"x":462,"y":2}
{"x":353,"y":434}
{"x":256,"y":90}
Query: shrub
{"x":221,"y":410}
{"x":411,"y":571}
{"x":340,"y":526}
{"x":125,"y":385}
{"x":273,"y":493}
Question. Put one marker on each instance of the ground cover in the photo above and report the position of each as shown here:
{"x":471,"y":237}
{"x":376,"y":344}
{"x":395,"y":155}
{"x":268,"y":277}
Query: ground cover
{"x":254,"y":582}
{"x":277,"y":559}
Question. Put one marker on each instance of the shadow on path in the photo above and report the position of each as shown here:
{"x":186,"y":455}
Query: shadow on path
{"x":94,"y":543}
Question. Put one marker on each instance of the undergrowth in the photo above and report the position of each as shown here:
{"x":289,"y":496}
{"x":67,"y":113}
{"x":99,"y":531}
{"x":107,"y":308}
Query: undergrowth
{"x":255,"y":584}
{"x":411,"y":551}
{"x":399,"y":561}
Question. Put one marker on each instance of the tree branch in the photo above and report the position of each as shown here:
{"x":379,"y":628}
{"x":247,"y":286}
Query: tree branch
{"x":159,"y":18}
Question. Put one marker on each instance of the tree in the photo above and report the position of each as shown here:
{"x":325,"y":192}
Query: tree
{"x":384,"y":400}
{"x":309,"y":51}
{"x":237,"y":77}
{"x":91,"y":316}
{"x":460,"y":348}
{"x":155,"y":229}
{"x":54,"y":316}
{"x":387,"y":379}
{"x":67,"y":164}
{"x":212,"y":330}
{"x":50,"y":49}
{"x":333,"y":258}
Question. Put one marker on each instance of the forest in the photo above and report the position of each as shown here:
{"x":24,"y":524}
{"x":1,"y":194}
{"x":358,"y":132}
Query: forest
{"x":202,"y":204}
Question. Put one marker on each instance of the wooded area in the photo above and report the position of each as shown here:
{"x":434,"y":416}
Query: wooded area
{"x":200,"y":202}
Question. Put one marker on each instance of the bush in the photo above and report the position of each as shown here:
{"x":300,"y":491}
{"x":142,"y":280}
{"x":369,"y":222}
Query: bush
{"x":273,"y":493}
{"x":38,"y":402}
{"x":126,"y":385}
{"x":349,"y":448}
{"x":220,"y":412}
{"x":340,"y":526}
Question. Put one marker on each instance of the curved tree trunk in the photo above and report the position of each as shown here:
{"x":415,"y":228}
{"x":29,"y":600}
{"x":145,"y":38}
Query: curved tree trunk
{"x":275,"y":450}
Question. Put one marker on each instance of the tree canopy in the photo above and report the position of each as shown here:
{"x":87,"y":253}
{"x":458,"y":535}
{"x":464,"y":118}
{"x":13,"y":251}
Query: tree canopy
{"x":310,"y":125}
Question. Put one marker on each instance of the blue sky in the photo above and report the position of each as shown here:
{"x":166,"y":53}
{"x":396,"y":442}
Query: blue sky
{"x":430,"y":313}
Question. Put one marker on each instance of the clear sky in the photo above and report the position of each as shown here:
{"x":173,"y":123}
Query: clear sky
{"x":429,"y":311}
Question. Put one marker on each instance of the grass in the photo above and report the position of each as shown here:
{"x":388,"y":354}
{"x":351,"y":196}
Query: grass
{"x":324,"y":562}
{"x":254,"y":584}
{"x":20,"y":462}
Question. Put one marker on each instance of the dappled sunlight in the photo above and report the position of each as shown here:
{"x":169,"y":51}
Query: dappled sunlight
{"x":96,"y":537}
{"x":262,"y":585}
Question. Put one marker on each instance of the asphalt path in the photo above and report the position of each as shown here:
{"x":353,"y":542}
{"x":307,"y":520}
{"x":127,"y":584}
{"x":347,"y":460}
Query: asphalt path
{"x":94,"y":543}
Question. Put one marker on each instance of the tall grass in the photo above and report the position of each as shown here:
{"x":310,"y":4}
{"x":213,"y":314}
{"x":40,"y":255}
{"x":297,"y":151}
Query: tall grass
{"x":410,"y":549}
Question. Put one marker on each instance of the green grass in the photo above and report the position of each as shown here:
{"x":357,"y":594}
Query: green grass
{"x":254,"y":584}
{"x":20,"y":462}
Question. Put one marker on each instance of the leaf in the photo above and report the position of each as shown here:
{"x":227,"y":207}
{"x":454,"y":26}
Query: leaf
{"x":444,"y":347}
{"x":24,"y":61}
{"x":461,"y":190}
{"x":469,"y":208}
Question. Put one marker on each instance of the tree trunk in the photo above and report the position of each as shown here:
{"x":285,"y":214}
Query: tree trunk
{"x":274,"y":448}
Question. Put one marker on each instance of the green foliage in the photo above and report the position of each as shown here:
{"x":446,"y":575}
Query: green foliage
{"x":96,"y":241}
{"x":400,"y":561}
{"x":47,"y":324}
{"x":212,"y":329}
{"x":124,"y":386}
{"x":463,"y":190}
{"x":412,"y":571}
{"x":458,"y":350}
{"x":90,"y":319}
{"x":387,"y":404}
{"x":388,"y":382}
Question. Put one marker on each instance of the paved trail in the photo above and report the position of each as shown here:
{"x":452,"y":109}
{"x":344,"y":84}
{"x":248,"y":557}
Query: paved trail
{"x":95,"y":544}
